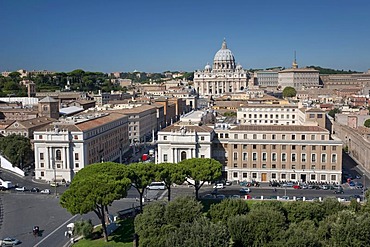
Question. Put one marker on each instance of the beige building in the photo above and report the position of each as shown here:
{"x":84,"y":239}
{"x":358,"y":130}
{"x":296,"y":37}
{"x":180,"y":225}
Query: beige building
{"x":63,"y":148}
{"x":292,"y":153}
{"x":299,"y":78}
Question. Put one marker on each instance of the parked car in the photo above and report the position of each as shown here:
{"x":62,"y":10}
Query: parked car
{"x":36,"y":190}
{"x":45,"y":191}
{"x":156,"y":186}
{"x":304,"y":186}
{"x":21,"y":189}
{"x":208,"y":196}
{"x":289,"y":184}
{"x":235,"y":197}
{"x":219,"y":186}
{"x":359,"y":185}
{"x":228,"y":183}
{"x":53,"y":184}
{"x":221,"y":197}
{"x":339,"y":191}
{"x":297,"y":187}
{"x":9,"y":242}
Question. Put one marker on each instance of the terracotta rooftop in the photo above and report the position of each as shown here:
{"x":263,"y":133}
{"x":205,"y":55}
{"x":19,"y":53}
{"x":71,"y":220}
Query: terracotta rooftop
{"x":93,"y":123}
{"x":135,"y":110}
{"x":36,"y":122}
{"x":279,"y":128}
{"x":193,"y":128}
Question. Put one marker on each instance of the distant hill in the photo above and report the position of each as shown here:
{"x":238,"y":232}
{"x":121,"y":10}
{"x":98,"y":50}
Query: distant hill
{"x":332,"y":71}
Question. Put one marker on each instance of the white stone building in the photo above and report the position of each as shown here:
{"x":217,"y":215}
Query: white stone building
{"x":224,"y":77}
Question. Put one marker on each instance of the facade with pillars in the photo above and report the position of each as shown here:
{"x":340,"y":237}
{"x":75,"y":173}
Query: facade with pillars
{"x":224,"y":77}
{"x":179,"y":142}
{"x":63,"y":148}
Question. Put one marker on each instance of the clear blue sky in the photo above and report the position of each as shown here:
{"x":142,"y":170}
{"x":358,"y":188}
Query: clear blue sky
{"x":159,"y":35}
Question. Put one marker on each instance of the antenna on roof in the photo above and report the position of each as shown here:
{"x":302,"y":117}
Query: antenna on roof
{"x":295,"y":65}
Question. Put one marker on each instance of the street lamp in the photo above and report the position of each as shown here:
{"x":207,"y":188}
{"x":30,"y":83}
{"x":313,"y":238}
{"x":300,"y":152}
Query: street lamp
{"x":363,"y":188}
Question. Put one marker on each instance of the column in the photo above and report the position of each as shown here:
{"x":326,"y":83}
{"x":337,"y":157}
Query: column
{"x":48,"y":157}
{"x":66,"y":158}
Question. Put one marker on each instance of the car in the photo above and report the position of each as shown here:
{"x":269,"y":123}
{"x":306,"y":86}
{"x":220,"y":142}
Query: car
{"x":359,"y":185}
{"x":156,"y":186}
{"x":219,"y":186}
{"x":10,"y":242}
{"x":235,"y":197}
{"x":339,"y":191}
{"x":297,"y":187}
{"x":220,"y":197}
{"x":36,"y":190}
{"x":284,"y":198}
{"x":228,"y":183}
{"x":358,"y":177}
{"x":274,"y":184}
{"x":21,"y":189}
{"x":45,"y":191}
{"x":245,"y":190}
{"x":289,"y":184}
{"x":208,"y":196}
{"x":53,"y":184}
{"x":324,"y":187}
{"x":2,"y":188}
{"x":304,"y":186}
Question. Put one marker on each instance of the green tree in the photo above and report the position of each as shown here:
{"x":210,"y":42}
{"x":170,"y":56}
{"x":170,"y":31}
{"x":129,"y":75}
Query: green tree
{"x":226,"y":209}
{"x":170,"y":174}
{"x":302,"y":234}
{"x":84,"y":228}
{"x":141,"y":175}
{"x":201,"y":170}
{"x":182,"y":210}
{"x":94,"y":188}
{"x":289,"y":92}
{"x":367,"y":123}
{"x":299,"y":211}
{"x":17,"y":149}
{"x":202,"y":232}
{"x":333,"y":112}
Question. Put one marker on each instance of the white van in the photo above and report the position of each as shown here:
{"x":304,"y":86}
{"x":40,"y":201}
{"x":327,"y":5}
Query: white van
{"x":156,"y":186}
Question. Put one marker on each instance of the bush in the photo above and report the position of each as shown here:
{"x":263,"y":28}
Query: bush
{"x":84,"y":228}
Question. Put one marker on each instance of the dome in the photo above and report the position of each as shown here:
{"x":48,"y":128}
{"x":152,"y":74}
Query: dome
{"x":207,"y":67}
{"x":224,"y":59}
{"x":239,"y":67}
{"x":224,"y":54}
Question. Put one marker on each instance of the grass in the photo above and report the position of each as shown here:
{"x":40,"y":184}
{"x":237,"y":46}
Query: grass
{"x":122,"y":237}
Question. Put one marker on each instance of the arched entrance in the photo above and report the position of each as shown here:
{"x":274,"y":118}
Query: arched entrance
{"x":183,"y":155}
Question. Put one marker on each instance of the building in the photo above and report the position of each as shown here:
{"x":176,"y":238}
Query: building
{"x":49,"y":107}
{"x":224,"y":77}
{"x":268,"y":114}
{"x":267,"y":78}
{"x":63,"y":148}
{"x":299,"y":78}
{"x":292,"y":153}
{"x":179,"y":142}
{"x":339,"y":81}
{"x":27,"y":127}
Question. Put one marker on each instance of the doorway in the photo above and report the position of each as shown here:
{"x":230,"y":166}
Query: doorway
{"x":303,"y":177}
{"x":264,"y":177}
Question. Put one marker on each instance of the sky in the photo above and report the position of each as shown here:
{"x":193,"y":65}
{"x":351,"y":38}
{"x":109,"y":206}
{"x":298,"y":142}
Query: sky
{"x":161,"y":35}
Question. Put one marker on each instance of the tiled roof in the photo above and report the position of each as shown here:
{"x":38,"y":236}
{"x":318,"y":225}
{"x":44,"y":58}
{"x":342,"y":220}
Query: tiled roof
{"x":135,"y":110}
{"x":93,"y":123}
{"x":276,"y":128}
{"x":40,"y":121}
{"x":48,"y":99}
{"x":193,"y":128}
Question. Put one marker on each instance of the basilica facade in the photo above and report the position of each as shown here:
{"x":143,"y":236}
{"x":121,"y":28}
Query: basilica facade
{"x":223,"y":77}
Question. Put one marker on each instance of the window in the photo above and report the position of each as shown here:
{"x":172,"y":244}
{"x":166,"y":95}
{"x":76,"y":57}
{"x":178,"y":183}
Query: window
{"x":254,"y":136}
{"x":334,"y":158}
{"x":323,"y":167}
{"x":58,"y":165}
{"x":58,"y":155}
{"x":313,"y":157}
{"x":273,"y":175}
{"x":164,"y":137}
{"x":273,"y":166}
{"x":333,"y":177}
{"x":283,"y":157}
{"x":235,"y":146}
{"x":235,"y":136}
{"x":323,"y":148}
{"x":202,"y":156}
{"x":165,"y":157}
{"x":304,"y":147}
{"x":303,"y":157}
{"x":263,"y":165}
{"x":292,"y":176}
{"x":303,"y":137}
{"x":283,"y":147}
{"x":226,"y":135}
{"x":294,"y":157}
{"x":245,"y":156}
{"x":312,"y":115}
{"x":264,"y":136}
{"x":41,"y":164}
{"x":334,"y":148}
{"x":235,"y":174}
{"x":244,"y":146}
{"x":313,"y":148}
{"x":202,"y":138}
{"x":283,"y":166}
{"x":323,"y":157}
{"x":319,"y":115}
{"x":42,"y":174}
{"x":245,"y":175}
{"x":283,"y":176}
{"x":254,"y":155}
{"x":264,"y":156}
{"x":245,"y":136}
{"x":293,"y":137}
{"x":293,"y":147}
{"x":333,"y":168}
{"x":41,"y":156}
{"x":263,"y":146}
{"x":273,"y":156}
{"x":293,"y":167}
{"x":40,"y":136}
{"x":323,"y":177}
{"x":313,"y":167}
{"x":283,"y":137}
{"x":254,"y":146}
{"x":235,"y":156}
{"x":235,"y":165}
{"x":77,"y":165}
{"x":221,"y":135}
{"x":303,"y":167}
{"x":273,"y":137}
{"x":254,"y":175}
{"x":245,"y":165}
{"x":76,"y":156}
{"x":273,"y":146}
{"x":75,"y":137}
{"x":322,"y":137}
{"x":313,"y":176}
{"x":312,"y":137}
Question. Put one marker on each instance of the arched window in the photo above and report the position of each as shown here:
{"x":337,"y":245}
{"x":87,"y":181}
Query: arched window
{"x":183,"y":155}
{"x":58,"y":155}
{"x":44,"y":107}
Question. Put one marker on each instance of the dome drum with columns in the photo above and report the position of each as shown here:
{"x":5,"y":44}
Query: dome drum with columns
{"x":224,"y":77}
